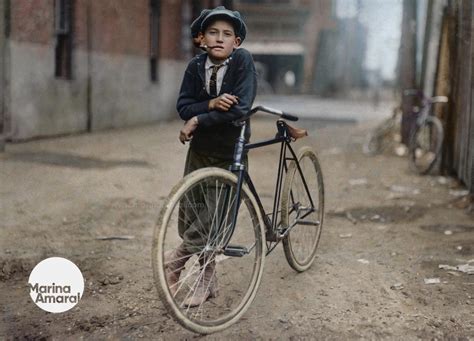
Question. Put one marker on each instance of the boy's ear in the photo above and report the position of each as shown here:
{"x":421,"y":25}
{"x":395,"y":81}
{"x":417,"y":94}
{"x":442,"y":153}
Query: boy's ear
{"x":237,"y":42}
{"x":200,"y":38}
{"x":197,"y":42}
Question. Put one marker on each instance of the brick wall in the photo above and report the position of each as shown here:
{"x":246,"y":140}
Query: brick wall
{"x":110,"y":84}
{"x":117,"y":26}
{"x":32,"y":21}
{"x":170,"y":34}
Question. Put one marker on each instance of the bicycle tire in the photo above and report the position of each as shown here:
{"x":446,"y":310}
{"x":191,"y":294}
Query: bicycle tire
{"x":294,"y":188}
{"x":213,"y":315}
{"x":425,"y":145}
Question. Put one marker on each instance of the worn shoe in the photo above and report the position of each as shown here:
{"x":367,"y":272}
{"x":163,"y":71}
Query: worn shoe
{"x":175,"y":261}
{"x":206,"y":287}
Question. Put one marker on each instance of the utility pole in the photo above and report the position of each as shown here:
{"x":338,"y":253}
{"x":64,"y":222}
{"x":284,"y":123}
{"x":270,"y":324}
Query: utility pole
{"x":311,"y":40}
{"x":407,"y":66}
{"x":89,"y":124}
{"x":434,"y":23}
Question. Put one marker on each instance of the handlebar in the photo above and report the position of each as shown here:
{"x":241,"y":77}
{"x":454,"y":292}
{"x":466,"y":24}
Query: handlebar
{"x":439,"y":99}
{"x":289,"y":117}
{"x":421,"y":95}
{"x":281,"y":114}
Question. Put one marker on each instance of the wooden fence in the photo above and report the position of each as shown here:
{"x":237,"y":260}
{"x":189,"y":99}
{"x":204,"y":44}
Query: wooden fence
{"x":455,"y":77}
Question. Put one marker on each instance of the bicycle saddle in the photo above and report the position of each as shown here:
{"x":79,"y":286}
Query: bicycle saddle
{"x":295,"y":133}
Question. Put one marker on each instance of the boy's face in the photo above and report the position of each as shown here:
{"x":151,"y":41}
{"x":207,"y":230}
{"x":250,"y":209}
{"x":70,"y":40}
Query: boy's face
{"x":220,"y":39}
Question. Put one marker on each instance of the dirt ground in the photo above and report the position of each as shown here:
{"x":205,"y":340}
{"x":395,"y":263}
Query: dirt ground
{"x":386,"y":230}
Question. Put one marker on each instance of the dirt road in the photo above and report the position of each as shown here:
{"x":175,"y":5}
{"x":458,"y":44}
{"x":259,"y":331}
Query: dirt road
{"x":386,"y":231}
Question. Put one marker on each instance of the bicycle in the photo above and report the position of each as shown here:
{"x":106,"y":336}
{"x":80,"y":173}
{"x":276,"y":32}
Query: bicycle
{"x":426,"y":140}
{"x":239,"y":234}
{"x":385,"y":135}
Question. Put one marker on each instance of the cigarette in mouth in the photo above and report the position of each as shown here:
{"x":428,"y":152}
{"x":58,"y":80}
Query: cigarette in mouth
{"x":209,"y":47}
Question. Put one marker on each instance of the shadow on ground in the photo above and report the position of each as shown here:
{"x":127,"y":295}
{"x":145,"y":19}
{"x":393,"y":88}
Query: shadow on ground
{"x":74,"y":161}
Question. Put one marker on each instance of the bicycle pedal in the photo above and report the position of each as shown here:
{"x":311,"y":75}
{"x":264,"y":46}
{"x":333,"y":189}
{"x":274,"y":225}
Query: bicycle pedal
{"x":235,"y":251}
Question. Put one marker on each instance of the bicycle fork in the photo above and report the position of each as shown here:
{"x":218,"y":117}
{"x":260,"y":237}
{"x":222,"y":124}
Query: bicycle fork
{"x":239,"y":168}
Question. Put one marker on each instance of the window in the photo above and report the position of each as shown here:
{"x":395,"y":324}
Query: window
{"x":154,"y":38}
{"x":186,"y":45}
{"x":63,"y":31}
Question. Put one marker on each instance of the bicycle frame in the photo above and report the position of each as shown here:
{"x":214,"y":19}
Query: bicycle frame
{"x":426,"y":104}
{"x":424,"y":112}
{"x":273,"y":233}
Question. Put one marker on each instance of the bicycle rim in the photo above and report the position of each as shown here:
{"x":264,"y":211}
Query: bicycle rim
{"x":201,"y":205}
{"x":425,"y":145}
{"x":303,"y":208}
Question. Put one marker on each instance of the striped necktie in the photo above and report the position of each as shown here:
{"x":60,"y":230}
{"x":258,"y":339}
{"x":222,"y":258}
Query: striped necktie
{"x":213,"y":80}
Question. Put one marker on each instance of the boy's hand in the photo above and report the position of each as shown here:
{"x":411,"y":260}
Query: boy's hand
{"x":186,"y":133}
{"x":223,"y":102}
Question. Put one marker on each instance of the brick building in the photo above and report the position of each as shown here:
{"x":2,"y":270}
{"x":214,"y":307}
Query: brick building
{"x":71,"y":66}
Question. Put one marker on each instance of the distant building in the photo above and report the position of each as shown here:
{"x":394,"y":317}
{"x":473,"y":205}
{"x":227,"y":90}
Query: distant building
{"x":284,"y":37}
{"x":340,"y":58}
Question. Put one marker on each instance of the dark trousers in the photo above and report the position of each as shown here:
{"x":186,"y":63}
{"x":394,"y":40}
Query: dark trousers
{"x":199,"y":209}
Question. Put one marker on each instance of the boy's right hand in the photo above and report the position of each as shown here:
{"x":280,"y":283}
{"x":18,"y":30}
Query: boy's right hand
{"x":223,"y":102}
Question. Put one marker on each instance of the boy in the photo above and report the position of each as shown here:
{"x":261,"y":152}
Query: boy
{"x":218,"y":87}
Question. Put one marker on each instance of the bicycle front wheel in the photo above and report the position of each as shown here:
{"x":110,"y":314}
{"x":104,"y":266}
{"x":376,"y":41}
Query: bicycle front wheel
{"x":195,"y":247}
{"x":302,"y":209}
{"x":425,"y":145}
{"x":379,"y":139}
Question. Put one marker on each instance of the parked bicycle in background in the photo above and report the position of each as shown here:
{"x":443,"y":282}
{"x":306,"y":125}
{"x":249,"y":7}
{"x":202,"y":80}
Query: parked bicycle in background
{"x":426,"y":140}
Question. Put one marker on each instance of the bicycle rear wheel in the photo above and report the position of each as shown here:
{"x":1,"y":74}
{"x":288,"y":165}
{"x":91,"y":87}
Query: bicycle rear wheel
{"x":302,"y":209}
{"x":195,"y":222}
{"x":425,"y":145}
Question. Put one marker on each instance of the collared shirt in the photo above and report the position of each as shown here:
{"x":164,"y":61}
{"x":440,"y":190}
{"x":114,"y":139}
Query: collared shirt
{"x":220,"y":74}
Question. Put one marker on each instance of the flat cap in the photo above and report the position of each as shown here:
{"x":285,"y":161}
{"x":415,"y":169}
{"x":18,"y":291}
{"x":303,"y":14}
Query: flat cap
{"x":196,"y":24}
{"x":222,"y":13}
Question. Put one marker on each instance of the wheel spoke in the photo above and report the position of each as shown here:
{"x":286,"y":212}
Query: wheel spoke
{"x":199,"y":223}
{"x":302,"y":210}
{"x":426,"y":145}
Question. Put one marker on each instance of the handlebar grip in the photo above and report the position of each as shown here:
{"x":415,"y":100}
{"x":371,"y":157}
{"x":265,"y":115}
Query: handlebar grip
{"x":439,"y":99}
{"x":289,"y":117}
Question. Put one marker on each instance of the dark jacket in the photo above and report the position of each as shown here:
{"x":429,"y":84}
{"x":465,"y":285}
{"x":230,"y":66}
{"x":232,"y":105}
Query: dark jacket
{"x":216,"y":134}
